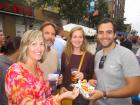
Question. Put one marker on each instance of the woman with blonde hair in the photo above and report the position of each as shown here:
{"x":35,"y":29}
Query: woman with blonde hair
{"x":74,"y":52}
{"x":25,"y":84}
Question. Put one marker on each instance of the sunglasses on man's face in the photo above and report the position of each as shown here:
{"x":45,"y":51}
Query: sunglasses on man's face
{"x":102,"y":61}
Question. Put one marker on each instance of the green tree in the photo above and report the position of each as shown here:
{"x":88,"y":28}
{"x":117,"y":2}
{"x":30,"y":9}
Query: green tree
{"x":45,"y":3}
{"x":102,"y":8}
{"x":120,"y":26}
{"x":134,"y":32}
{"x":72,"y":10}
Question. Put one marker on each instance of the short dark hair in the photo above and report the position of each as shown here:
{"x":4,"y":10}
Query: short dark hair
{"x":47,"y":24}
{"x":12,"y":45}
{"x":107,"y":20}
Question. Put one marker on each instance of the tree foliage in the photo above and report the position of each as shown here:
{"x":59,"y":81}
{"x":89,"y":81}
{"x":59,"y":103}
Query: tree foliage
{"x":72,"y":10}
{"x":134,"y":32}
{"x":45,"y":3}
{"x":102,"y":8}
{"x":120,"y":26}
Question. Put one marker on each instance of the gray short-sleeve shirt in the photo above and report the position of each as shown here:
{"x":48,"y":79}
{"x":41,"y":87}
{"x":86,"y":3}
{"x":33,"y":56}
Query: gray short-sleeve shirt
{"x":119,"y":64}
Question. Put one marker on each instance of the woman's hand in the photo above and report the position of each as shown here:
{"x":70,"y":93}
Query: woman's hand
{"x":70,"y":94}
{"x":56,"y":100}
{"x":59,"y":80}
{"x":62,"y":90}
{"x":79,"y":75}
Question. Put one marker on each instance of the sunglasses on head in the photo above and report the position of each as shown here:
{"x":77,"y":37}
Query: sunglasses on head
{"x":102,"y":61}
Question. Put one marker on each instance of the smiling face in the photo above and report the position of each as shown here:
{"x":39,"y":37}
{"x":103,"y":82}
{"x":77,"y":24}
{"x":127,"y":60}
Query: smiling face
{"x":35,"y":49}
{"x":106,"y":35}
{"x":49,"y":35}
{"x":77,"y":39}
{"x":32,"y":47}
{"x":76,"y":43}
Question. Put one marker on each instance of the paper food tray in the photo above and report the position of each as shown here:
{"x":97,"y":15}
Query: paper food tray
{"x":84,"y":87}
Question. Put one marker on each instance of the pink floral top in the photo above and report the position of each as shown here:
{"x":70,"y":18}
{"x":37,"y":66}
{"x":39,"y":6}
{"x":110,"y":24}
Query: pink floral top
{"x":22,"y":88}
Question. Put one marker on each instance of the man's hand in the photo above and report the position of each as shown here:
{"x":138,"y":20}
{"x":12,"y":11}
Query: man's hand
{"x":95,"y":95}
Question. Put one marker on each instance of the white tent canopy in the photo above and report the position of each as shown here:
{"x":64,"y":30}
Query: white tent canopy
{"x":88,"y":31}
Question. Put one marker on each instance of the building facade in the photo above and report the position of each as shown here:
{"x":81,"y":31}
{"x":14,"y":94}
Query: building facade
{"x":116,"y":8}
{"x":17,"y":17}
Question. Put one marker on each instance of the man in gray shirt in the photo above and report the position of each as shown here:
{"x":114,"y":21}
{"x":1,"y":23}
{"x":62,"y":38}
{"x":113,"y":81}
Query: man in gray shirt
{"x":116,"y":68}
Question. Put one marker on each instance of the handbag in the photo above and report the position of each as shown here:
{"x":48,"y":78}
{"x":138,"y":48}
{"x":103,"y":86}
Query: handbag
{"x":69,"y":101}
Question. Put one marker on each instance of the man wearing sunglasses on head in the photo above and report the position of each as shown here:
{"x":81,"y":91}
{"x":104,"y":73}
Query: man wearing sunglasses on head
{"x":116,"y":68}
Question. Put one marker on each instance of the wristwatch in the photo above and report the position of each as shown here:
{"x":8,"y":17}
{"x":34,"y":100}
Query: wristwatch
{"x":104,"y":95}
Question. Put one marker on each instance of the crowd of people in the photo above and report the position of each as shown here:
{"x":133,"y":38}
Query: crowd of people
{"x":26,"y":61}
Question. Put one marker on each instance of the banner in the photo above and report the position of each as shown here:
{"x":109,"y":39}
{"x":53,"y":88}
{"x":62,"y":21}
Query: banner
{"x":7,"y":7}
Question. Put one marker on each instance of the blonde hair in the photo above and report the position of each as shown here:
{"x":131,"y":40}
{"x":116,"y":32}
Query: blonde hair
{"x":69,"y":47}
{"x":27,"y":38}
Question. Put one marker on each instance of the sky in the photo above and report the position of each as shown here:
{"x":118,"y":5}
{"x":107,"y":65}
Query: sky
{"x":132,"y":13}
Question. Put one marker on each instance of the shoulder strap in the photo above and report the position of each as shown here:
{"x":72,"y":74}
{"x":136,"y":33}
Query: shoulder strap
{"x":81,"y":61}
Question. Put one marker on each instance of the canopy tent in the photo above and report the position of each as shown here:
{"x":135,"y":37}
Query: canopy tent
{"x":88,"y":31}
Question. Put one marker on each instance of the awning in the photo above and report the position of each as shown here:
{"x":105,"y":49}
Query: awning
{"x":88,"y":31}
{"x":10,"y":13}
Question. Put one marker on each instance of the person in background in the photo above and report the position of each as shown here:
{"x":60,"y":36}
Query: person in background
{"x":127,"y":42}
{"x":76,"y":46}
{"x":24,"y":83}
{"x":2,"y":40}
{"x":59,"y":44}
{"x":138,"y":55}
{"x":116,"y":68}
{"x":10,"y":56}
{"x":118,"y":39}
{"x":51,"y":61}
{"x":138,"y":52}
{"x":135,"y":43}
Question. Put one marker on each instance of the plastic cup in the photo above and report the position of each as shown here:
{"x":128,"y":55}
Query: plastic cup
{"x":74,"y":80}
{"x":52,"y":78}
